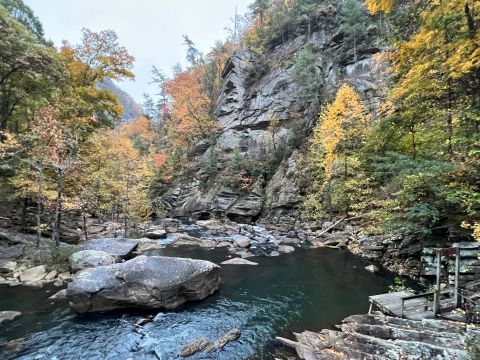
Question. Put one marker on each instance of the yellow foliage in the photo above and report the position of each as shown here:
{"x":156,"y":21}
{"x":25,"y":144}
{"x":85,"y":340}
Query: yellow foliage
{"x":376,"y":6}
{"x":341,"y":126}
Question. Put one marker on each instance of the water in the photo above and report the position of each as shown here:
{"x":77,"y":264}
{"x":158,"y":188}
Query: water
{"x":309,"y":289}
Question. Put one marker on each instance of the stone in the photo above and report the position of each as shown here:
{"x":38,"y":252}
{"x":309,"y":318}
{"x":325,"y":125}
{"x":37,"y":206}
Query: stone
{"x":89,"y":259}
{"x":286,"y":249}
{"x":156,"y":234}
{"x":116,"y":247}
{"x":51,"y":275}
{"x":59,"y":295}
{"x":245,"y":254}
{"x":7,"y":266}
{"x":33,"y":274}
{"x":146,"y":247}
{"x":36,"y":284}
{"x":187,"y":240}
{"x":242,"y":241}
{"x":11,"y":252}
{"x":274,"y":254}
{"x":224,"y":244}
{"x":154,"y":282}
{"x":372,"y":268}
{"x":238,"y":261}
{"x":9,"y":315}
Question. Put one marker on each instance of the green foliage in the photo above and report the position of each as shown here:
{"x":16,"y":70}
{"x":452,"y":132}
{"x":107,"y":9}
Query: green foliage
{"x":307,"y":76}
{"x":354,"y":24}
{"x":210,"y":162}
{"x":399,"y":284}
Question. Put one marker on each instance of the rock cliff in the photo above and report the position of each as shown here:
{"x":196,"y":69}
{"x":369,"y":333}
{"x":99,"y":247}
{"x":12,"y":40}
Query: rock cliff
{"x":245,"y":111}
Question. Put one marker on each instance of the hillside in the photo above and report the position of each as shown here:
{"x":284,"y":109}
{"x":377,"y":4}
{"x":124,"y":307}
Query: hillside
{"x":131,"y":110}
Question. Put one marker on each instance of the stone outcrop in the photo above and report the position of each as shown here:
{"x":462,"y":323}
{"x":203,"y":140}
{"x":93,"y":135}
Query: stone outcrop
{"x":372,"y":337}
{"x":244,"y":111}
{"x":144,"y":282}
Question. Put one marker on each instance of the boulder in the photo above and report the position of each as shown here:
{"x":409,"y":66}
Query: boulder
{"x":9,"y":315}
{"x":155,"y":282}
{"x":7,"y":266}
{"x":146,"y":247}
{"x":51,"y":275}
{"x":33,"y":274}
{"x":117,"y":247}
{"x":187,"y":240}
{"x":59,"y":295}
{"x":242,"y":241}
{"x":155,"y":233}
{"x":238,"y":261}
{"x":286,"y":249}
{"x":89,"y":259}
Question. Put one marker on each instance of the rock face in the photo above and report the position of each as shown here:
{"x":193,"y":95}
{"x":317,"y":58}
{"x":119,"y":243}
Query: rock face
{"x":244,"y":111}
{"x":90,"y":259}
{"x":372,"y":337}
{"x":143,"y":282}
{"x":116,"y":247}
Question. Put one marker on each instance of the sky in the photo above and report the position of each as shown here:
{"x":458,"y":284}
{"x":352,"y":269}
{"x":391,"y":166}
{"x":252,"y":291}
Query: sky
{"x":151,"y":30}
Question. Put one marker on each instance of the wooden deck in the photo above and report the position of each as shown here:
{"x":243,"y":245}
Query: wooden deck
{"x":391,"y":304}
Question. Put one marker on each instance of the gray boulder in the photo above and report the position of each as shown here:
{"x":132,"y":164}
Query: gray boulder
{"x":90,"y":259}
{"x":9,"y":315}
{"x":144,"y":282}
{"x":7,"y":266}
{"x":156,"y":233}
{"x":242,"y":241}
{"x":33,"y":274}
{"x":117,"y":247}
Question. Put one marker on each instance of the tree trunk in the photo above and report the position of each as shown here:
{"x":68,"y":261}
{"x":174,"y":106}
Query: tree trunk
{"x":39,"y":205}
{"x":23,"y":224}
{"x":58,"y":209}
{"x":85,"y":233}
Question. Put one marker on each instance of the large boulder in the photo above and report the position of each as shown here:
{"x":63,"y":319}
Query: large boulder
{"x":89,"y":259}
{"x":117,"y":247}
{"x":33,"y":274}
{"x":144,"y":282}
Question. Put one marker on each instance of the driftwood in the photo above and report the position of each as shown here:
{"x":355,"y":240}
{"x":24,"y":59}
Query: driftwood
{"x":377,"y":336}
{"x":338,"y":222}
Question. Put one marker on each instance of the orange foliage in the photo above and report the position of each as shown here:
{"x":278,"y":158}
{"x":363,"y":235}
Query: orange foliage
{"x":191,"y":106}
{"x":159,"y":160}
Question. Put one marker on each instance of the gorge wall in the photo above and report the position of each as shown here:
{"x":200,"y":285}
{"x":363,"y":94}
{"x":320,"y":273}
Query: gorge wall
{"x":245,"y":112}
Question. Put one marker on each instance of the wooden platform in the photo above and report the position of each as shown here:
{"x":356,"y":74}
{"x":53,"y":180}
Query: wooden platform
{"x":391,"y":304}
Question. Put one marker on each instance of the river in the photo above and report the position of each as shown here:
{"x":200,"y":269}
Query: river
{"x":305,"y":290}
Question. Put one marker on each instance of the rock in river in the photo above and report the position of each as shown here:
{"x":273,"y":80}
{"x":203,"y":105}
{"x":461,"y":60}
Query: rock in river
{"x":144,"y":282}
{"x":238,"y":261}
{"x":117,"y":247}
{"x":89,"y":259}
{"x":9,"y":315}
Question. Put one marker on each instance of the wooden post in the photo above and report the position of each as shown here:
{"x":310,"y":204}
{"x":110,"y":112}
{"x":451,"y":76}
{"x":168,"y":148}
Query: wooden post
{"x":436,"y":296}
{"x":457,"y":278}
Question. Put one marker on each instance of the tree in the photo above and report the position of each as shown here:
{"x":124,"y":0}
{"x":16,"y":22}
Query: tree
{"x":29,"y":71}
{"x":339,"y":134}
{"x":307,"y":76}
{"x":24,"y":15}
{"x":354,"y":24}
{"x":259,"y":8}
{"x":97,"y":57}
{"x":194,"y":56}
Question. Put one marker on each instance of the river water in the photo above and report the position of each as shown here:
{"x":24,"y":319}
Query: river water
{"x":305,"y":290}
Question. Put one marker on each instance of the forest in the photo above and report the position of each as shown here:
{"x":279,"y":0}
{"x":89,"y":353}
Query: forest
{"x":410,"y":167}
